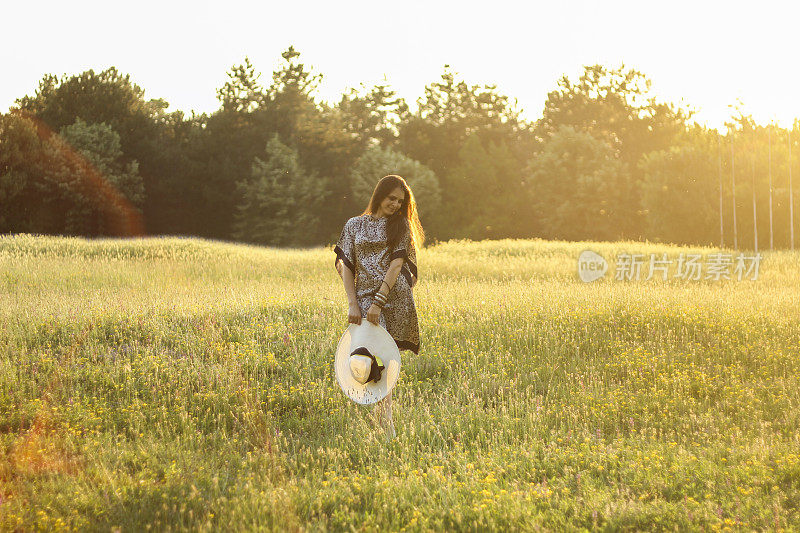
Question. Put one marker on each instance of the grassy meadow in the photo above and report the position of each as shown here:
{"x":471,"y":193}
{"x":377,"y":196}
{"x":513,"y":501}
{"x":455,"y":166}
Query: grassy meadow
{"x":182,"y":384}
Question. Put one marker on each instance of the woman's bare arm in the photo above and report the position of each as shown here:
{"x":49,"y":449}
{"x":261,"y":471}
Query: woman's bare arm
{"x":391,"y":274}
{"x":349,"y":283}
{"x":395,"y":267}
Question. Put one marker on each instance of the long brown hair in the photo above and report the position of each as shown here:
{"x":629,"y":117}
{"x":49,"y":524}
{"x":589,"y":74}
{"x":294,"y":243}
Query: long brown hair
{"x":405,"y":217}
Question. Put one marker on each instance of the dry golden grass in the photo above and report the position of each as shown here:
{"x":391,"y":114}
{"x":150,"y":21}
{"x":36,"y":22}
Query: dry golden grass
{"x":180,"y":384}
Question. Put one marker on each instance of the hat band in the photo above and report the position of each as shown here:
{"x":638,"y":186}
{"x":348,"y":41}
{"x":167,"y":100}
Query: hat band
{"x":375,"y":368}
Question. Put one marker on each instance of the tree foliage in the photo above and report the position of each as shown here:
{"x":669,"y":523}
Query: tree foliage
{"x":372,"y":117}
{"x":272,"y":165}
{"x":279,"y":200}
{"x":680,"y":192}
{"x":73,"y":183}
{"x":577,"y":187}
{"x":435,"y":134}
{"x":100,"y":145}
{"x":488,"y":194}
{"x":148,"y":135}
{"x":615,"y":106}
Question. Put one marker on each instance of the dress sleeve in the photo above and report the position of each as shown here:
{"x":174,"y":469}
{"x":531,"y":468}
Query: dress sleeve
{"x":346,"y":247}
{"x":405,"y":249}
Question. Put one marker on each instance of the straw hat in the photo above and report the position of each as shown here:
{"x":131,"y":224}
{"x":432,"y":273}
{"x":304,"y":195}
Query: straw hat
{"x":367,"y":363}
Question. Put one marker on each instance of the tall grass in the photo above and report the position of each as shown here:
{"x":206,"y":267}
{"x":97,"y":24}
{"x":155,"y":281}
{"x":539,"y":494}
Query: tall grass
{"x":171,"y":384}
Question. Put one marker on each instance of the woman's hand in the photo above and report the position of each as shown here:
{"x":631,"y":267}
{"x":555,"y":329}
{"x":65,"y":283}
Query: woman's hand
{"x":374,"y":314}
{"x":354,"y":314}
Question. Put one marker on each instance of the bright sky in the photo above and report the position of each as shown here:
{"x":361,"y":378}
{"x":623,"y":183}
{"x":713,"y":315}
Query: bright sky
{"x":707,"y":53}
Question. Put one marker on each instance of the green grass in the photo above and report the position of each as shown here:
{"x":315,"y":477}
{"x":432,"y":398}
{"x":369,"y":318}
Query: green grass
{"x":171,"y":384}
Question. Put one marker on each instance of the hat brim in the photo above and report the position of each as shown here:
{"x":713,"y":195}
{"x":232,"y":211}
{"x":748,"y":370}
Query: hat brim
{"x":378,"y":341}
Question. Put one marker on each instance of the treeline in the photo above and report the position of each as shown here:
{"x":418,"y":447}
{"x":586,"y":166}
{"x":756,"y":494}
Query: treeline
{"x":88,"y":155}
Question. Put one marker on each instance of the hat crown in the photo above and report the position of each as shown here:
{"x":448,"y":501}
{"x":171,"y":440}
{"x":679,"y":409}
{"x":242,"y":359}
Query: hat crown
{"x":373,"y":367}
{"x":360,"y":367}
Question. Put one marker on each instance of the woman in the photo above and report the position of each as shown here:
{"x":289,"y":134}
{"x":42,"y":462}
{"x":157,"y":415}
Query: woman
{"x":377,"y":260}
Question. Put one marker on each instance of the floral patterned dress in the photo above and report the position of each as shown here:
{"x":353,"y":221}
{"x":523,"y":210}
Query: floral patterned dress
{"x":363,"y":249}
